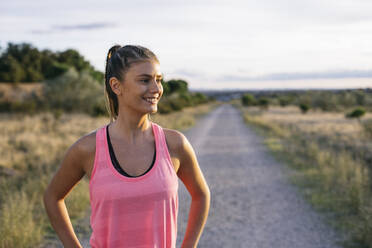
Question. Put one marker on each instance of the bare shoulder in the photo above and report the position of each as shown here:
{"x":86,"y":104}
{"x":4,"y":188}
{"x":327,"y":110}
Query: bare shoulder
{"x":175,"y":140}
{"x":86,"y":144}
{"x":179,"y":145}
{"x":84,"y":149}
{"x":75,"y":164}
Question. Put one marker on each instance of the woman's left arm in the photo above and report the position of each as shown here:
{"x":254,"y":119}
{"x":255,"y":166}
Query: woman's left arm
{"x":192,"y":177}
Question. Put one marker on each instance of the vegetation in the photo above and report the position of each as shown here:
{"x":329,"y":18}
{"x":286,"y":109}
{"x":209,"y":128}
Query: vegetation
{"x":367,"y":128}
{"x":356,"y":113}
{"x":323,"y":100}
{"x":74,"y":92}
{"x":304,"y":107}
{"x":25,"y":63}
{"x":263,"y":102}
{"x":248,"y":100}
{"x":331,"y":159}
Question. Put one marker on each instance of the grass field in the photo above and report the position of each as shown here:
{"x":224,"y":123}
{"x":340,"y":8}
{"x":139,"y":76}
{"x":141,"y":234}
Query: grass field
{"x":31,"y":149}
{"x":331,"y":161}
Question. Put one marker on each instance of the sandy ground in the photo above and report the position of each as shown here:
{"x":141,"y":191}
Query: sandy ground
{"x":252,"y":203}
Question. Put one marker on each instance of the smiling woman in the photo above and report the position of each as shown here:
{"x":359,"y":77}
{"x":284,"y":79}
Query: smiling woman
{"x":133,"y":165}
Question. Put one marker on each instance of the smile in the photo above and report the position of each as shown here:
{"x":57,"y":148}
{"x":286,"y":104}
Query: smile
{"x":151,"y":100}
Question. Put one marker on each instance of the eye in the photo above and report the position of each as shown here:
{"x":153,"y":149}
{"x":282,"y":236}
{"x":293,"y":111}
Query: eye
{"x":145,"y":80}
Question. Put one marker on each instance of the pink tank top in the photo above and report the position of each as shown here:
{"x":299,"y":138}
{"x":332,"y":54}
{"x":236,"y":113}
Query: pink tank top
{"x":136,"y":212}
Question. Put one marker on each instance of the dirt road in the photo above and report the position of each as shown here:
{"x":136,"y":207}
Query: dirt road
{"x":252,"y":202}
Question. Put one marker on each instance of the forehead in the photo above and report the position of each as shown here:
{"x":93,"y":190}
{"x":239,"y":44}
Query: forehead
{"x":145,"y":67}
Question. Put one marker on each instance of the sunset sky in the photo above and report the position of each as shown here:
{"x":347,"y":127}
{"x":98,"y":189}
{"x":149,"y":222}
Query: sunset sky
{"x":211,"y":44}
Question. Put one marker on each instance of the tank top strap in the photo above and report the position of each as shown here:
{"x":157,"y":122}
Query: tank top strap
{"x":100,"y":155}
{"x":159,"y":132}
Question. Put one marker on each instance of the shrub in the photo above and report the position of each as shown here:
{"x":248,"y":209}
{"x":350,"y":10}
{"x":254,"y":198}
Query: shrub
{"x":304,"y":107}
{"x":263,"y":102}
{"x":186,"y":99}
{"x":177,"y":86}
{"x":175,"y":104}
{"x":74,"y":92}
{"x":284,"y":101}
{"x":356,"y":113}
{"x":248,"y":100}
{"x":199,"y":98}
{"x":164,"y":107}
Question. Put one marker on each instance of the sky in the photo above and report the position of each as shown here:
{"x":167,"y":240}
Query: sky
{"x":212,"y":44}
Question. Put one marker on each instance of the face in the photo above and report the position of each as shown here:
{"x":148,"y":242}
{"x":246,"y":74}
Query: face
{"x":141,"y":89}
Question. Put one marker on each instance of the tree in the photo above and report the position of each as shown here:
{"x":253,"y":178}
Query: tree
{"x":284,"y":101}
{"x":177,"y":86}
{"x":263,"y":102}
{"x":356,"y":113}
{"x":11,"y":70}
{"x":304,"y":107}
{"x":166,"y":89}
{"x":25,"y":63}
{"x":248,"y":100}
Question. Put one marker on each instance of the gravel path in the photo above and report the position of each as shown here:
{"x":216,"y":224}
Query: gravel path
{"x":252,"y":203}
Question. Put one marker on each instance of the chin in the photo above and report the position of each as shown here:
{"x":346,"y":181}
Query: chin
{"x":154,"y":111}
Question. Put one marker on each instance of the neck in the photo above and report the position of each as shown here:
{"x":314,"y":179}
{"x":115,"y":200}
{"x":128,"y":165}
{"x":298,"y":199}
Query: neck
{"x":130,"y":127}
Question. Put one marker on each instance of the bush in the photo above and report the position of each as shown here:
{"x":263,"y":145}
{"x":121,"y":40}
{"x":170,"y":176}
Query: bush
{"x":356,"y":113}
{"x":176,"y":86}
{"x":248,"y":100}
{"x":75,"y":92}
{"x":284,"y":101}
{"x":164,"y":107}
{"x":199,"y":98}
{"x":175,"y":104}
{"x":186,"y":99}
{"x":263,"y":102}
{"x":304,"y":107}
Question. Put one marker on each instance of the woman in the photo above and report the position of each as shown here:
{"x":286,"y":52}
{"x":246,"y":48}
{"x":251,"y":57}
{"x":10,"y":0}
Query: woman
{"x":133,"y":166}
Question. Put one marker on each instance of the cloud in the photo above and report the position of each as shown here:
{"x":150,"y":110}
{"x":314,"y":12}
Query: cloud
{"x":188,"y":73}
{"x":83,"y":27}
{"x":301,"y":75}
{"x":89,"y":26}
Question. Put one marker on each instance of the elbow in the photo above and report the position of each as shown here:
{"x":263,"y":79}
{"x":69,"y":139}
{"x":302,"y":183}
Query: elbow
{"x":48,"y":198}
{"x":204,"y":195}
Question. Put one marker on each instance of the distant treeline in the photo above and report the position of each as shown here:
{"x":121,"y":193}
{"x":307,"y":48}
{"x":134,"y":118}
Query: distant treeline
{"x":23,"y":63}
{"x":325,"y":100}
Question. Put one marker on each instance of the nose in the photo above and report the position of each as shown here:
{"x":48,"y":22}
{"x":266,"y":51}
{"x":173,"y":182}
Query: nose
{"x":156,"y":86}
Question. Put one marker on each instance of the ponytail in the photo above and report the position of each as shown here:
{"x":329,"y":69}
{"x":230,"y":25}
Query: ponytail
{"x":118,"y":62}
{"x":111,"y":99}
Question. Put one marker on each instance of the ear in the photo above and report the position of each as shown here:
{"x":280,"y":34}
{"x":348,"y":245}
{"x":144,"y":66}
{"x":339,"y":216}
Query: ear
{"x":116,"y":86}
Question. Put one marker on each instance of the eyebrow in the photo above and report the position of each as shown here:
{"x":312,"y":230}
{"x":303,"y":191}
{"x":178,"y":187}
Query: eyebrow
{"x":148,"y":75}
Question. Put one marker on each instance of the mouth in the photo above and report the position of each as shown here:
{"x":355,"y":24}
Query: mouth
{"x":151,"y":100}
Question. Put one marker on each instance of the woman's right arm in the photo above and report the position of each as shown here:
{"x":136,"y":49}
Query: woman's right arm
{"x":68,"y":175}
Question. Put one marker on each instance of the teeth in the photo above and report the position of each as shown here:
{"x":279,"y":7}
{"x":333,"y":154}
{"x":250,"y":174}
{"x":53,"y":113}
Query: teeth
{"x":151,"y":100}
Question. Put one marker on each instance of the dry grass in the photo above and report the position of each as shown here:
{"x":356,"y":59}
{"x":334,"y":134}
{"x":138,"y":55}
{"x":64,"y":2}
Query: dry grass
{"x":314,"y":122}
{"x":11,"y":91}
{"x":330,"y":156}
{"x":31,"y":149}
